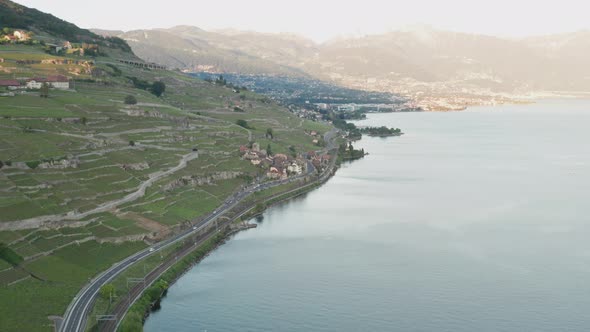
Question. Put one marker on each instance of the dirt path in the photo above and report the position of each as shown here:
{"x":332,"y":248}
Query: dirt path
{"x":73,"y":215}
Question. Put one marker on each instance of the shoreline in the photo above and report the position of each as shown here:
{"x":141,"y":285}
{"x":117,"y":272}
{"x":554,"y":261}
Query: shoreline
{"x":217,"y":239}
{"x":518,"y":102}
{"x":244,"y":217}
{"x":88,"y":303}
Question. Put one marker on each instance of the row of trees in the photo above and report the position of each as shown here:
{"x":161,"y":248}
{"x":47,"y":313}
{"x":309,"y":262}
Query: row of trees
{"x":381,"y":131}
{"x":221,"y":81}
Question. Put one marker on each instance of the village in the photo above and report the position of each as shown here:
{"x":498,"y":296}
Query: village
{"x":12,"y":83}
{"x":282,"y":166}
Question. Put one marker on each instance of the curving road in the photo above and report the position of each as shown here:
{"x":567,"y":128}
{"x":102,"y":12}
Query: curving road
{"x":77,"y":312}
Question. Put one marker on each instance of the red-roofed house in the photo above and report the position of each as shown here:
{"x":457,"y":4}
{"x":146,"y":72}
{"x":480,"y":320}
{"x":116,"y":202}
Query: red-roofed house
{"x":10,"y":84}
{"x":276,"y":173}
{"x":10,"y":38}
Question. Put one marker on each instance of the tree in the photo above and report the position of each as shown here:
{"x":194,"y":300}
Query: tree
{"x":321,"y":142}
{"x":220,"y":80}
{"x":83,"y":120}
{"x":342,"y":148}
{"x":44,"y":90}
{"x":242,"y":123}
{"x":1,"y":164}
{"x":107,"y":291}
{"x":158,"y":88}
{"x":9,"y":256}
{"x":268,"y":150}
{"x":132,"y":143}
{"x":350,"y":147}
{"x":270,"y":133}
{"x":130,"y":100}
{"x":156,"y":291}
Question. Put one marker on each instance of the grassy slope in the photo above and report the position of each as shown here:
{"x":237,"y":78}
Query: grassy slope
{"x":31,"y":130}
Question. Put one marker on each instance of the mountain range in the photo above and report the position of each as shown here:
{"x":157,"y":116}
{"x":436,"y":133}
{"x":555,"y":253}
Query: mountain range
{"x":417,"y":63}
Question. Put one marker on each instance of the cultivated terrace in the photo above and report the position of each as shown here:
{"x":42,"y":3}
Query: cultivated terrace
{"x":103,"y":155}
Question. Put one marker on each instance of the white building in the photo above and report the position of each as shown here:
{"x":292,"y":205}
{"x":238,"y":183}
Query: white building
{"x":322,"y":106}
{"x":294,"y":169}
{"x":34,"y":85}
{"x":56,"y":82}
{"x":347,"y":108}
{"x":18,"y":35}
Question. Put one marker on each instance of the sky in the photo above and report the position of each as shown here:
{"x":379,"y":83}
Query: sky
{"x":322,"y":20}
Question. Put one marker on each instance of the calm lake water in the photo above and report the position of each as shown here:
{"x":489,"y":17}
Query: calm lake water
{"x":472,"y":221}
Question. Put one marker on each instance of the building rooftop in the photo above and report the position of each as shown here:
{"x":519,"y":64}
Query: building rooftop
{"x":57,"y":78}
{"x":9,"y":83}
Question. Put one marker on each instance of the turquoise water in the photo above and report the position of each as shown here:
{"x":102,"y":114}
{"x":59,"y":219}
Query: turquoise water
{"x":472,"y":221}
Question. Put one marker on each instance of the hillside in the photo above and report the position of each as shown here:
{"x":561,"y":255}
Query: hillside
{"x":497,"y":64}
{"x":86,"y":179}
{"x":197,"y":50}
{"x":437,"y":68}
{"x":49,"y":28}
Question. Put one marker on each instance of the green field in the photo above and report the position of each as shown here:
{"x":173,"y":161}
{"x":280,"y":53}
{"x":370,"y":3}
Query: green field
{"x":27,"y":304}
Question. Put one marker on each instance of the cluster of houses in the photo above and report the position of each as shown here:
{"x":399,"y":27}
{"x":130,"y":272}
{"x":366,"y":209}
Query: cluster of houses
{"x":304,"y":113}
{"x":278,"y":166}
{"x":69,"y":48}
{"x":317,"y":137}
{"x":16,"y":36}
{"x":57,"y":82}
{"x":319,"y":161}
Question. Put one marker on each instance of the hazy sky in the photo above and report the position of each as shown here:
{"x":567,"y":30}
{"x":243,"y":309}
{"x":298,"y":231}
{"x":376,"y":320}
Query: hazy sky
{"x":324,"y":19}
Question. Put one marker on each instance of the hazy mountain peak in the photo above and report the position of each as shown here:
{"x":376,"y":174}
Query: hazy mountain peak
{"x":415,"y":57}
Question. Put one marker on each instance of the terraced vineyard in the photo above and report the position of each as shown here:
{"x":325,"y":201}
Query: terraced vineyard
{"x":87,"y":180}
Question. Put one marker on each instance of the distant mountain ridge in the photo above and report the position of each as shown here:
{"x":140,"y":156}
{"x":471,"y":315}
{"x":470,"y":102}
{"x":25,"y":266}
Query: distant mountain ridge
{"x":194,"y":49}
{"x":411,"y":62}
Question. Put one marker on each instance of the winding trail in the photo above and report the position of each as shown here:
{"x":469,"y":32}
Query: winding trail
{"x":73,"y":215}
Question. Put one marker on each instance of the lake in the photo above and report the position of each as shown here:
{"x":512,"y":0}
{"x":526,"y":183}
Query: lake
{"x":472,"y":221}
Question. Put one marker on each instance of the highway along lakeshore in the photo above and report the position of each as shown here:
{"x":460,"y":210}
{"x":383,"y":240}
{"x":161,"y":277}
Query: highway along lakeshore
{"x":146,"y":296}
{"x":179,"y":253}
